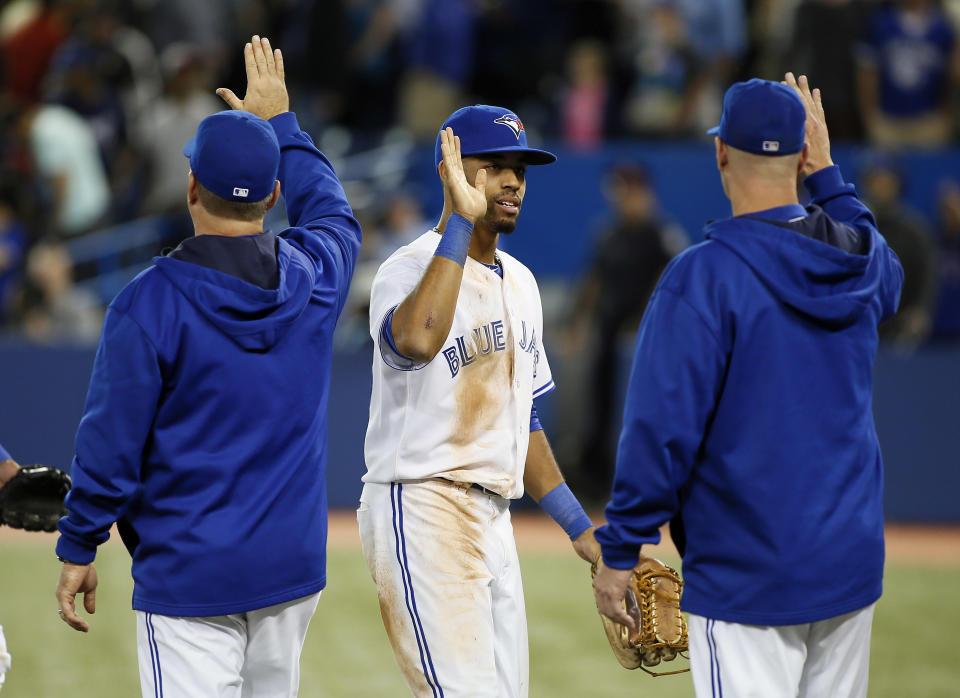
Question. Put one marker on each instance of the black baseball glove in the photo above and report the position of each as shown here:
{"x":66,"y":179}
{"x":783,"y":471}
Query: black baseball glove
{"x":33,"y":498}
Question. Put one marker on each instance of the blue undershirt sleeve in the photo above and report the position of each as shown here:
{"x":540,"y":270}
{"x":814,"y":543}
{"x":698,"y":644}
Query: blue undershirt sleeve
{"x":534,"y":420}
{"x":3,"y":454}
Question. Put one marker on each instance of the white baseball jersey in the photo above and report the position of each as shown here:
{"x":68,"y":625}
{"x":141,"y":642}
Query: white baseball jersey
{"x":465,"y":415}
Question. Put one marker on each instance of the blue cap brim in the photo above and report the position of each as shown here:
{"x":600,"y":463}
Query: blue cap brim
{"x":188,"y":148}
{"x":531,"y":156}
{"x":713,"y":131}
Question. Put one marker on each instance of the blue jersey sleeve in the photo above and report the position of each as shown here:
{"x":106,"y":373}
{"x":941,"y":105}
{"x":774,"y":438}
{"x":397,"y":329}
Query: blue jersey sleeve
{"x":839,"y":200}
{"x":121,"y":406}
{"x":675,"y":382}
{"x":3,"y":454}
{"x":323,"y":224}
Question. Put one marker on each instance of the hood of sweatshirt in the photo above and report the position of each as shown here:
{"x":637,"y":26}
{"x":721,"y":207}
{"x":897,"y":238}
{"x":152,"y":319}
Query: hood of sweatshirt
{"x":251,"y":288}
{"x":820,"y":268}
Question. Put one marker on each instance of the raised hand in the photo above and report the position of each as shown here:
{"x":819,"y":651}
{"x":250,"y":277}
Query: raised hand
{"x":467,"y":201}
{"x":266,"y":90}
{"x":817,"y":140}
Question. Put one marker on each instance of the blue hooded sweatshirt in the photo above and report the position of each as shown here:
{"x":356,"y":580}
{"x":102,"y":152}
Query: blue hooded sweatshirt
{"x":205,"y":429}
{"x":748,"y":421}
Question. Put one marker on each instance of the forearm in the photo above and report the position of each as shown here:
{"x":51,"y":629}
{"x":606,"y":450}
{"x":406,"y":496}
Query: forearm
{"x":309,"y":183}
{"x":839,"y":199}
{"x":118,"y":417}
{"x":313,"y":193}
{"x":543,"y":481}
{"x":675,"y":384}
{"x":541,"y":472}
{"x":93,"y":507}
{"x":8,"y":468}
{"x":422,"y":322}
{"x":640,"y":503}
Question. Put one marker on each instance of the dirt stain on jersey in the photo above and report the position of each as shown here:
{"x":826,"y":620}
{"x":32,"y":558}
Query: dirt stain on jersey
{"x":484,"y":390}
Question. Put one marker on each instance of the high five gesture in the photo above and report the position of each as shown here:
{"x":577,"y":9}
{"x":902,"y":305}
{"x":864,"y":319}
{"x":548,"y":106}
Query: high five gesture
{"x":266,"y":91}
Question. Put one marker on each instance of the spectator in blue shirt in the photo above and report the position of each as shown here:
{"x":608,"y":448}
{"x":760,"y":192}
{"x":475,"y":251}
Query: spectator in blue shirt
{"x":908,"y":70}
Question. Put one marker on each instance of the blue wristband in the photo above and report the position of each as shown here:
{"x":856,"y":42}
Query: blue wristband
{"x":563,"y":507}
{"x":455,"y":241}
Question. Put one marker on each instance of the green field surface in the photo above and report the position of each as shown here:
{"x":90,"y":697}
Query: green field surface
{"x":914,"y":652}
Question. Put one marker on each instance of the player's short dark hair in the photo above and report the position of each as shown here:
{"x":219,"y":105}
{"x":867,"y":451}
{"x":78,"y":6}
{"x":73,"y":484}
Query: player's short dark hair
{"x":237,"y":210}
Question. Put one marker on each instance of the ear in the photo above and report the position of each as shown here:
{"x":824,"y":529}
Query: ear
{"x":804,"y":154}
{"x":275,"y":197}
{"x":722,"y":157}
{"x":192,"y":194}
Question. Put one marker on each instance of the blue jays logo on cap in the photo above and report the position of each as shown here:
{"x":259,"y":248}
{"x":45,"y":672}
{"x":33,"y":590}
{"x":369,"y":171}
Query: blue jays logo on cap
{"x":481,"y":131}
{"x":511,"y":122}
{"x":235,"y":155}
{"x":762,"y":117}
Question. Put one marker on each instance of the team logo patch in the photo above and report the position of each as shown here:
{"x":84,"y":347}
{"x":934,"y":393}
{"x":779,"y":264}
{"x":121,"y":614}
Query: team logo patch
{"x":511,"y":122}
{"x":771,"y":146}
{"x":240,"y":191}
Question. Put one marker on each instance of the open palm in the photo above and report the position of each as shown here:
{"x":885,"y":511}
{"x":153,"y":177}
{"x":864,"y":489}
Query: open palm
{"x":468,"y":201}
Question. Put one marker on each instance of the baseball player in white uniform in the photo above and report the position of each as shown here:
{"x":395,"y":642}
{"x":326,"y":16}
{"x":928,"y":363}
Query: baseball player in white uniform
{"x":453,"y":434}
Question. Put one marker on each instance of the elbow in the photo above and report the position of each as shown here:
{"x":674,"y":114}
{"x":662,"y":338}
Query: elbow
{"x":419,"y":349}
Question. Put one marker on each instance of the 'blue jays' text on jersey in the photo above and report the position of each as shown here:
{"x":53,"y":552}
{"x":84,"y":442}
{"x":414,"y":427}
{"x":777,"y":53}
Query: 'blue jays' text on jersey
{"x":465,"y":415}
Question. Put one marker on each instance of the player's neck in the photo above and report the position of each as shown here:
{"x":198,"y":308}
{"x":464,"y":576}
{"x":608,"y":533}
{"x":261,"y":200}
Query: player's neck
{"x":753,"y":196}
{"x":483,"y":245}
{"x":206,"y":224}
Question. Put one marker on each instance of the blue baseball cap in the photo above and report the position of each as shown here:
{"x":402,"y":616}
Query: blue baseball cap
{"x":762,"y":117}
{"x":484,"y":129}
{"x":235,"y":155}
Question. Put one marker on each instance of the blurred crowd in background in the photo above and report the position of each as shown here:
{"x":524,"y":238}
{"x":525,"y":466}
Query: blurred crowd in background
{"x":99,"y":96}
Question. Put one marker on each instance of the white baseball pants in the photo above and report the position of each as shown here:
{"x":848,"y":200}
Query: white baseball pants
{"x":445,"y":564}
{"x":827,"y":658}
{"x":4,"y":658}
{"x":241,"y":655}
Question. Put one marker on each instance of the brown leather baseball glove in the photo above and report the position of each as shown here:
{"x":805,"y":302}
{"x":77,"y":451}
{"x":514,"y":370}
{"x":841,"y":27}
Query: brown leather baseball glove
{"x":653,"y":600}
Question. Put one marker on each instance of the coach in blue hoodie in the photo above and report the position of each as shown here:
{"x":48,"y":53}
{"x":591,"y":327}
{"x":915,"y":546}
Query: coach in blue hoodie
{"x":204,"y":432}
{"x":748,"y":420}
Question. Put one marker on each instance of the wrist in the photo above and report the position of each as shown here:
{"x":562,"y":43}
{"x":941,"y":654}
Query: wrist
{"x":814,"y":167}
{"x":564,"y":508}
{"x":8,"y":469}
{"x":455,"y":242}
